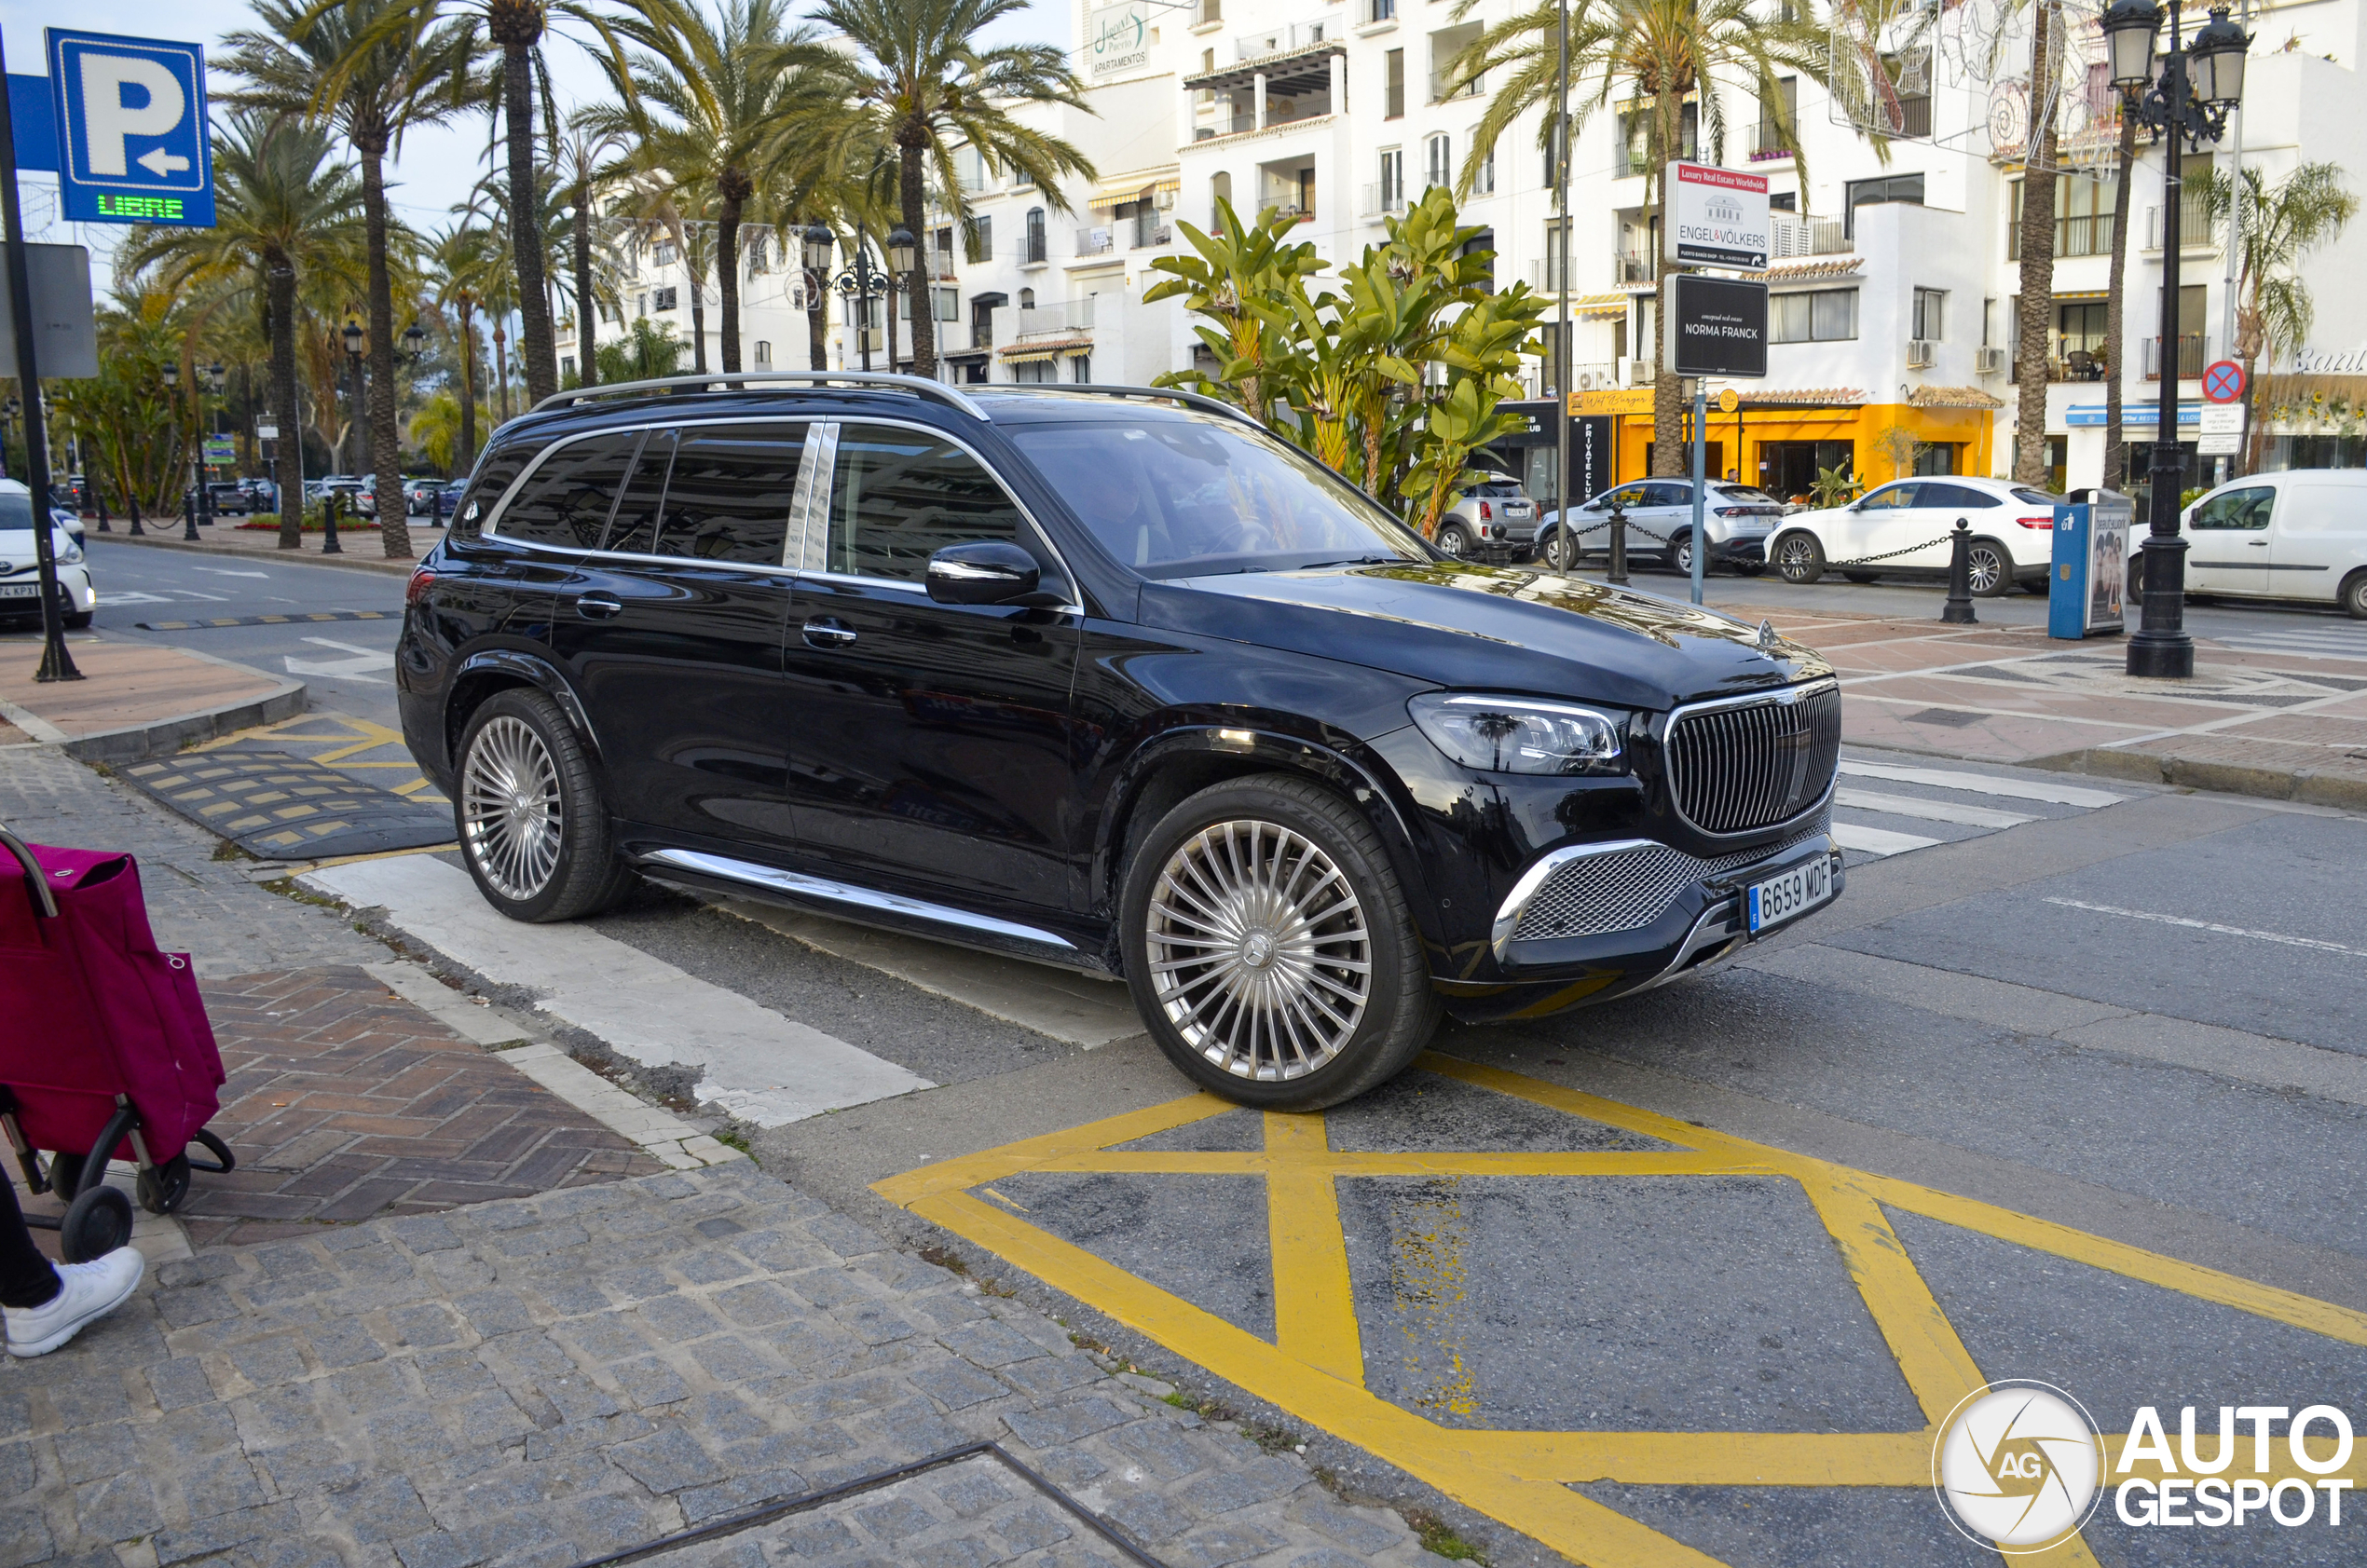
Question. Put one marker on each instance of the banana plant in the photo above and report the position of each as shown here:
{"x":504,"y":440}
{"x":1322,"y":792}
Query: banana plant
{"x":1242,"y":279}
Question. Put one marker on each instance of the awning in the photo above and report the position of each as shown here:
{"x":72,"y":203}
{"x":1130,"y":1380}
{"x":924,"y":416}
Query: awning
{"x":1107,"y":199}
{"x":1028,"y":355}
{"x":1600,"y":305}
{"x":2064,"y":297}
{"x":1289,"y":71}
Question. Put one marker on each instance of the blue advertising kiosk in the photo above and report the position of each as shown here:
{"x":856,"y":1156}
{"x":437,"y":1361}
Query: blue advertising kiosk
{"x":2091,"y":566}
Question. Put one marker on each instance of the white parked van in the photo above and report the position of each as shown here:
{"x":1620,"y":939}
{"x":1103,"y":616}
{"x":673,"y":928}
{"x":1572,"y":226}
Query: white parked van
{"x":2297,"y":535}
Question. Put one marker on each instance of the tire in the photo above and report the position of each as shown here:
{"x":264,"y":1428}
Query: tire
{"x":162,"y":1189}
{"x":528,"y":815}
{"x":79,"y":622}
{"x":1321,"y":1033}
{"x":1992,"y":569}
{"x":1680,"y":556}
{"x":1559,"y":551}
{"x":1799,"y":557}
{"x":1861,"y":576}
{"x":1454,"y":541}
{"x":2353,"y":597}
{"x":95,"y":1224}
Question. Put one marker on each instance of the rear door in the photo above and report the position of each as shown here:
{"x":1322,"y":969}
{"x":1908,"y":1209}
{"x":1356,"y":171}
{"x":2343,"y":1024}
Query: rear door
{"x":2318,"y":536}
{"x":671,"y":632}
{"x":2228,"y":541}
{"x":932,"y":745}
{"x":1876,"y":526}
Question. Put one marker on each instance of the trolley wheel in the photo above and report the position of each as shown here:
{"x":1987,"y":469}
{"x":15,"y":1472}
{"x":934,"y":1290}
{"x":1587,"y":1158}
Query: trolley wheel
{"x":162,"y":1187}
{"x":65,"y":1174}
{"x":225,"y":1161}
{"x":96,"y":1223}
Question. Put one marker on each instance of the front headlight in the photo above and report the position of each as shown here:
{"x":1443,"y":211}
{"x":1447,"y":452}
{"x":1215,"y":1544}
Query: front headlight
{"x":72,"y":556}
{"x":1520,"y":734}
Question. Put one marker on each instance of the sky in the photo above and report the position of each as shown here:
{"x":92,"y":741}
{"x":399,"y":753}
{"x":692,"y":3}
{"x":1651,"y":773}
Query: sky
{"x":434,"y":168}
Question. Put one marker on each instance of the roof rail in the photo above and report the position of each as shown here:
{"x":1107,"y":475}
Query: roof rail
{"x":1174,"y":394}
{"x":918,"y":385}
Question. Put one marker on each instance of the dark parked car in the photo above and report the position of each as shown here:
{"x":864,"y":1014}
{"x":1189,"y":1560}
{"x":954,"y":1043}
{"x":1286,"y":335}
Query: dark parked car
{"x":1111,"y":679}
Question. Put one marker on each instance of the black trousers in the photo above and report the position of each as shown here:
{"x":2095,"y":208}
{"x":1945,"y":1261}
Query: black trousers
{"x":26,"y":1278}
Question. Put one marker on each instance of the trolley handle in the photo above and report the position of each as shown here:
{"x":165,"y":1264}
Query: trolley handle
{"x":43,"y":899}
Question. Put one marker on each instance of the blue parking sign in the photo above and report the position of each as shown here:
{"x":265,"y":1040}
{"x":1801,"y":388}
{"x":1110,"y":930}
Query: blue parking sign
{"x":132,"y":132}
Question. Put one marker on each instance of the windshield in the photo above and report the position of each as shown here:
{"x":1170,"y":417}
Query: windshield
{"x":1200,"y":495}
{"x":16,"y":512}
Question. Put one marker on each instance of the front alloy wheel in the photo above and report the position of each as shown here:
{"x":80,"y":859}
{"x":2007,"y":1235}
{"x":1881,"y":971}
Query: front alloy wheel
{"x":1799,"y":558}
{"x":1991,"y":570}
{"x":1454,"y":541}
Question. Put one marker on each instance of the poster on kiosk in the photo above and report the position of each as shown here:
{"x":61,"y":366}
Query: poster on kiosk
{"x":2091,"y":566}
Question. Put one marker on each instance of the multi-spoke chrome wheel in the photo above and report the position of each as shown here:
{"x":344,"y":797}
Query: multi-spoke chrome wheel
{"x":1259,"y":952}
{"x":511,"y":809}
{"x":1987,"y":569}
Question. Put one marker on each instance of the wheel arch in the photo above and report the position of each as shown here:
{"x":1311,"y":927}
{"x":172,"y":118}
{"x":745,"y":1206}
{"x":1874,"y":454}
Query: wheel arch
{"x":2351,"y":583}
{"x":491,"y":670}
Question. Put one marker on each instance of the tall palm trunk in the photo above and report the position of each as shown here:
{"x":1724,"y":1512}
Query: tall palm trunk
{"x":2037,"y":302}
{"x":908,"y":173}
{"x":469,"y":389}
{"x":279,"y":287}
{"x":501,"y":372}
{"x":587,"y":315}
{"x":735,"y":189}
{"x":385,"y":447}
{"x":818,"y":330}
{"x":2115,"y":300}
{"x":696,"y":274}
{"x":1668,"y":395}
{"x":537,"y":346}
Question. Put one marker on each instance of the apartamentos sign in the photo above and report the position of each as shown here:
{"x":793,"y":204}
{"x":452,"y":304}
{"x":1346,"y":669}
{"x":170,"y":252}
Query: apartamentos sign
{"x":1118,"y":38}
{"x":1718,"y":217}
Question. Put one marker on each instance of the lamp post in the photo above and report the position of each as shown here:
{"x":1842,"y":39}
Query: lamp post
{"x":2184,"y":95}
{"x":195,"y":501}
{"x":365,"y":460}
{"x":860,"y":281}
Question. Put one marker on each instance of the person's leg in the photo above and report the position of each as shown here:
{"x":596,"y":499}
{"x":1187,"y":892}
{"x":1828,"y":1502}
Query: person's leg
{"x":26,"y":1277}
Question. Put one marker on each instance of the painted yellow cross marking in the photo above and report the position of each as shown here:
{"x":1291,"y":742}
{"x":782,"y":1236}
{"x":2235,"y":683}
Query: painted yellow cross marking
{"x":346,"y":743}
{"x":1314,"y":1367}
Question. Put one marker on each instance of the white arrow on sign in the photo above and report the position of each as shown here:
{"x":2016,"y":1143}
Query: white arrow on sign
{"x":157,"y":161}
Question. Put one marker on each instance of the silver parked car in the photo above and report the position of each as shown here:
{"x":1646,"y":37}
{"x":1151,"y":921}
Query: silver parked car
{"x":1660,"y":526}
{"x":1494,"y":520}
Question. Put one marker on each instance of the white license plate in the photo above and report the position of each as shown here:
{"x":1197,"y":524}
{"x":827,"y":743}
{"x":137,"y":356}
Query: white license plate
{"x":1786,"y":898}
{"x":19,"y":590}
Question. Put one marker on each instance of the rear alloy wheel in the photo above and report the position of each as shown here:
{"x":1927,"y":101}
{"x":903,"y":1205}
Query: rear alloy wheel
{"x":1454,"y":541}
{"x":528,"y":813}
{"x":2354,"y":596}
{"x":1270,"y":949}
{"x":1680,"y":553}
{"x":1799,"y":558}
{"x":1991,"y":570}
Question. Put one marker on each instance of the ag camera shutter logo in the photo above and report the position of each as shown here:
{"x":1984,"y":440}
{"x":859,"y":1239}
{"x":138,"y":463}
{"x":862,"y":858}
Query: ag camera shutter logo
{"x":2016,"y":1466}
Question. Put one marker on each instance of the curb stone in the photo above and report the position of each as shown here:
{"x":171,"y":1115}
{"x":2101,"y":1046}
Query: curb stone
{"x":2307,"y":787}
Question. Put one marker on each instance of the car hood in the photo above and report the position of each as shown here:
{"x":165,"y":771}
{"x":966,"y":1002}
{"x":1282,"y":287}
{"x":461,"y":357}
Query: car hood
{"x":1489,"y":628}
{"x":17,"y":547}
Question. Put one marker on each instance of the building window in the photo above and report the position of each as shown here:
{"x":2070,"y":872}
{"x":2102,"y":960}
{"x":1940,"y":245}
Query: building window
{"x":1034,"y":252}
{"x":949,"y":305}
{"x":1447,"y":48}
{"x":1778,"y":113}
{"x":1220,"y":190}
{"x":567,"y":367}
{"x":1392,"y":191}
{"x":2082,"y":216}
{"x":1930,"y":310}
{"x":978,"y":240}
{"x":1821,"y":316}
{"x":1438,"y":161}
{"x":1081,"y":368}
{"x":640,"y":305}
{"x":664,"y":253}
{"x":607,"y":311}
{"x":1033,"y":372}
{"x":1636,"y":138}
{"x":1027,"y":299}
{"x":662,"y":300}
{"x":763,"y":354}
{"x":1556,"y":256}
{"x":759,"y":254}
{"x":1383,"y":10}
{"x":1483,"y":182}
{"x":1396,"y":84}
{"x":1866,"y":193}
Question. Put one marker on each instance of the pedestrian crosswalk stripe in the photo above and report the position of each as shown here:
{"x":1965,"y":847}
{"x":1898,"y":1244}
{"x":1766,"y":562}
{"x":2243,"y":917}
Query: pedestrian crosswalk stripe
{"x":2321,"y":642}
{"x":1928,"y":811}
{"x":1983,"y":783}
{"x":1877,"y":840}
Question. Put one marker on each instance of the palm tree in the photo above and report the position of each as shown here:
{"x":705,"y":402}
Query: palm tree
{"x":2116,"y":305}
{"x":284,"y":209}
{"x":374,"y":70}
{"x":707,"y":102}
{"x":2042,"y":155}
{"x":657,"y":211}
{"x":461,"y":261}
{"x":578,"y":158}
{"x":2279,"y":223}
{"x":1659,"y":52}
{"x":645,"y":353}
{"x":916,"y":83}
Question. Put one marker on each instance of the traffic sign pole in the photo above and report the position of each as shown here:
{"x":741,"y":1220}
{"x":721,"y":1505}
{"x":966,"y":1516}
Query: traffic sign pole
{"x":56,"y":662}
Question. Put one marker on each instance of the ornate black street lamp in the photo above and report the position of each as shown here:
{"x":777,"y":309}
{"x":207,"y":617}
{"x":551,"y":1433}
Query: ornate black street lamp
{"x":860,"y":281}
{"x":2184,"y":95}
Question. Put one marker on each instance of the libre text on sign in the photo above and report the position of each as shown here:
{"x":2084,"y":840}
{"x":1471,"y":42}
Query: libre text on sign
{"x":132,"y":145}
{"x":1717,"y":217}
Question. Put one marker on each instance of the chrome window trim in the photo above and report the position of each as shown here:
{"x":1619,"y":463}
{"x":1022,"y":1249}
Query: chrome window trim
{"x":860,"y":897}
{"x":1787,"y":696}
{"x":1516,"y":903}
{"x":813,"y":482}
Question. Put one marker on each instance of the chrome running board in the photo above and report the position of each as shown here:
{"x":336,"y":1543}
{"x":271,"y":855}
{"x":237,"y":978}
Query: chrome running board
{"x":850,"y":897}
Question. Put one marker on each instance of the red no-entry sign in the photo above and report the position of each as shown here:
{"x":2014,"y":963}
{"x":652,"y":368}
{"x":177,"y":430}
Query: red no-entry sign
{"x":2224,"y":381}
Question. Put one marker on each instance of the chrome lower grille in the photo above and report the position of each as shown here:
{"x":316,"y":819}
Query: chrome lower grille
{"x":1625,"y":890}
{"x":1737,"y":767}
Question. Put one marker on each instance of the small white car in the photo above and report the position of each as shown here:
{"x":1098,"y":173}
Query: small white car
{"x":20,"y":570}
{"x":1660,"y":526}
{"x":1901,"y":529}
{"x":2297,"y":535}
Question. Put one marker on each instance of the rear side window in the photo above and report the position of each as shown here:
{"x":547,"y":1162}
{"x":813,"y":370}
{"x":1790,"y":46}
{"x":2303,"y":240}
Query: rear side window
{"x":567,"y":500}
{"x":1959,"y":496}
{"x":634,"y":527}
{"x":495,"y":474}
{"x":731,"y":491}
{"x":899,"y":496}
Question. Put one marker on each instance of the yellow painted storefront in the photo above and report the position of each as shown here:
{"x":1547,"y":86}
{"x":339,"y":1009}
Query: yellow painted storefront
{"x":1760,"y":422}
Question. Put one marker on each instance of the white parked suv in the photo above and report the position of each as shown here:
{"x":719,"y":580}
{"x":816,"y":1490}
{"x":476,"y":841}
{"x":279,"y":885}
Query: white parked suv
{"x":20,"y":571}
{"x":1660,"y":524}
{"x":1901,"y":529}
{"x":2297,"y":535}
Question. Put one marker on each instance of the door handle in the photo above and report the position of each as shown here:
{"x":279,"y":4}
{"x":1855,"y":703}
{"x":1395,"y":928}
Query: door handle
{"x":598,"y":606}
{"x":827,"y":632}
{"x":2257,"y":544}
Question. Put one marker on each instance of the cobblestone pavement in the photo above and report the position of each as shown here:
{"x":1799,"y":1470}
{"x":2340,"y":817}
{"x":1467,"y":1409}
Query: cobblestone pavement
{"x":346,"y":1103}
{"x":542,"y":1379}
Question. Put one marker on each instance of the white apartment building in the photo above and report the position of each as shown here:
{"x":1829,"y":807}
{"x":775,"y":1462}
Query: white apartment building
{"x":1894,"y":285}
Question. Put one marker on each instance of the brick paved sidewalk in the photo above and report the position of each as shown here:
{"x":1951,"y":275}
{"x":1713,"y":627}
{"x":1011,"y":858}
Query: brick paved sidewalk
{"x":539,"y":1381}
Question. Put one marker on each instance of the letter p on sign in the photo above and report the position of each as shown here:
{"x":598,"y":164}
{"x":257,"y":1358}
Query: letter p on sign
{"x":133,"y":131}
{"x":110,"y":123}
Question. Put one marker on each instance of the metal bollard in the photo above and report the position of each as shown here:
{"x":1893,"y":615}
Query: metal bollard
{"x":1618,"y":544}
{"x":99,"y":495}
{"x":137,"y":531}
{"x":1958,"y":611}
{"x":329,"y":545}
{"x":189,"y":518}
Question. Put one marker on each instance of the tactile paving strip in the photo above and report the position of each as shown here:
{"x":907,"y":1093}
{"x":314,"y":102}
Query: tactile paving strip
{"x":279,"y":807}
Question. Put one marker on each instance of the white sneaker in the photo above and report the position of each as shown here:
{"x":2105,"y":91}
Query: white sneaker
{"x":86,"y":1292}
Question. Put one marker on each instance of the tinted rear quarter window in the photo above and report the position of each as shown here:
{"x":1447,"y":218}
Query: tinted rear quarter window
{"x":899,"y":496}
{"x":567,"y":500}
{"x":730,"y":495}
{"x":633,"y":530}
{"x":495,"y":471}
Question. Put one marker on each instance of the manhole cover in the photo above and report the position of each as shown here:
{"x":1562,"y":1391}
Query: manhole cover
{"x":279,"y":807}
{"x":1953,"y":718}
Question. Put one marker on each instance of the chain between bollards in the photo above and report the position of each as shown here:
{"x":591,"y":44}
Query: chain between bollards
{"x":1958,"y":611}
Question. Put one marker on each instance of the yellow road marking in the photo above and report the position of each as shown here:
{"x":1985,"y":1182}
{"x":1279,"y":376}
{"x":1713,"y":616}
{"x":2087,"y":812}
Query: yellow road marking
{"x":1314,"y":1367}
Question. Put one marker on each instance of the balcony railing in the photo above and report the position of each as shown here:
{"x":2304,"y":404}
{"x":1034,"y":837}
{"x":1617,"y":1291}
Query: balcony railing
{"x":2196,"y":231}
{"x":1149,"y":236}
{"x":1381,"y":196}
{"x":1095,"y":241}
{"x":1042,"y":321}
{"x":2193,"y":352}
{"x":1633,"y":266}
{"x":1032,"y":249}
{"x":1807,"y":236}
{"x":1768,"y":142}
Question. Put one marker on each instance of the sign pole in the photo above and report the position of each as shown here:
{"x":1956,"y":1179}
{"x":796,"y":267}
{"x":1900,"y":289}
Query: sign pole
{"x":56,"y":662}
{"x":1700,"y":482}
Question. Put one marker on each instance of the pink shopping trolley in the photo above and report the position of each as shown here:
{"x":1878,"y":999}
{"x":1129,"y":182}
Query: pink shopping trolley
{"x":105,"y":1052}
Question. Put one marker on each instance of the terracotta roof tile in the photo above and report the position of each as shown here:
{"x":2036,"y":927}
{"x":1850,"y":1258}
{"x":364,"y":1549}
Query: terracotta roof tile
{"x":1952,"y":397}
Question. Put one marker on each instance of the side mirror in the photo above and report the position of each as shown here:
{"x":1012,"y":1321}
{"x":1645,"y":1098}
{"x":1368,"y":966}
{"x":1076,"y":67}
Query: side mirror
{"x":986,"y":572}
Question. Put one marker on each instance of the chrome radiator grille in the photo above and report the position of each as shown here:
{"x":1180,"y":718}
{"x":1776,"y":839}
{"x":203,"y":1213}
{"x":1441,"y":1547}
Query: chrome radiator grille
{"x":1624,"y":890}
{"x":1736,"y":768}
